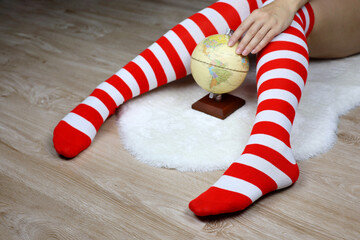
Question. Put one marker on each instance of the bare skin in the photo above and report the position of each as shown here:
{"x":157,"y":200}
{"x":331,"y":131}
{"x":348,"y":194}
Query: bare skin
{"x":335,"y":34}
{"x":336,"y":31}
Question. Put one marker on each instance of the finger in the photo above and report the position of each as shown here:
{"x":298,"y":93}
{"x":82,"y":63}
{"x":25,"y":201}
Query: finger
{"x":249,"y":35}
{"x":244,"y":26}
{"x":267,"y":39}
{"x":260,"y":34}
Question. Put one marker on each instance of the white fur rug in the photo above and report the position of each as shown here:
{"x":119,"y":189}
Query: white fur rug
{"x":160,"y":128}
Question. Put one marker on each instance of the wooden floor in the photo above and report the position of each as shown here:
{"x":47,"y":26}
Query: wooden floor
{"x":52,"y":55}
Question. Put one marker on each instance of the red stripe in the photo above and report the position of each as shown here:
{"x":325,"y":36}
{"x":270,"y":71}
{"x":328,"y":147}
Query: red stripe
{"x":106,"y":99}
{"x":312,"y":18}
{"x":296,"y":32}
{"x":138,"y":75}
{"x":90,"y":114}
{"x":275,"y":159}
{"x":277,"y":105}
{"x":281,"y":83}
{"x":121,"y":86}
{"x":283,"y":45}
{"x":253,"y":5}
{"x":172,"y":54}
{"x":185,"y":37}
{"x":272,"y":129}
{"x":204,"y":24}
{"x":253,"y":176}
{"x":229,"y":13}
{"x":283,"y":63}
{"x":302,"y":16}
{"x":156,"y":66}
{"x":299,"y":21}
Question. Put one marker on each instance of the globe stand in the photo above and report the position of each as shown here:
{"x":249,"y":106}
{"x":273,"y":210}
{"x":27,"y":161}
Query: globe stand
{"x":218,"y":105}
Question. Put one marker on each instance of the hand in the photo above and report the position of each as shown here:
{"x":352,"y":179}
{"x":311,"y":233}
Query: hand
{"x":262,"y":26}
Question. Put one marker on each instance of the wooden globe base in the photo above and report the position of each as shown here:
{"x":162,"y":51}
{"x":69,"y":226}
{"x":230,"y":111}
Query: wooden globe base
{"x":220,"y":109}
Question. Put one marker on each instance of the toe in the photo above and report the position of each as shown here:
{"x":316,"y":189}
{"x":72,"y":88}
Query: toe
{"x":218,"y":201}
{"x":68,"y":141}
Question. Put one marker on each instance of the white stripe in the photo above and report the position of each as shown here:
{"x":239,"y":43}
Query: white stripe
{"x":267,"y":2}
{"x":130,"y":81}
{"x":298,"y":15}
{"x":241,"y":6}
{"x":148,"y":71}
{"x":180,"y":49}
{"x":282,"y":180}
{"x":80,"y":124}
{"x":239,"y":186}
{"x":281,"y":73}
{"x":216,"y":19}
{"x":284,"y":54}
{"x":193,"y":29}
{"x":279,"y":94}
{"x":164,"y":61}
{"x":307,"y":18}
{"x":273,"y":143}
{"x":290,"y":38}
{"x":112,"y":91}
{"x":98,"y":105}
{"x":296,"y":25}
{"x":275,"y":117}
{"x":259,"y":3}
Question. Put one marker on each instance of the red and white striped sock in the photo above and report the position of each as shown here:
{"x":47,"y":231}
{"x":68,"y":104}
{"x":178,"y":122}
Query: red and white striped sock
{"x":267,"y":163}
{"x":164,"y":61}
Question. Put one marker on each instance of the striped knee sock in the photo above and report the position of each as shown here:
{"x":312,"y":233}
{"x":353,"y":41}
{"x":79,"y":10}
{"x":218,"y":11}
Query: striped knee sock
{"x":267,"y":163}
{"x":164,"y":61}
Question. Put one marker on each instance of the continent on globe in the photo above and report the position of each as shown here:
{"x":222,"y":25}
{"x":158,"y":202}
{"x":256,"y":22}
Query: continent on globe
{"x":213,"y":42}
{"x":218,"y":74}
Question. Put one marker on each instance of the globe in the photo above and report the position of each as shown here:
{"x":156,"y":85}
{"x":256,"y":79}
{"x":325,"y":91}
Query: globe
{"x":216,"y":67}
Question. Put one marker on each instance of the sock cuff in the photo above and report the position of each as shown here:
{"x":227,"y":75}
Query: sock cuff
{"x":308,"y":18}
{"x":311,"y":18}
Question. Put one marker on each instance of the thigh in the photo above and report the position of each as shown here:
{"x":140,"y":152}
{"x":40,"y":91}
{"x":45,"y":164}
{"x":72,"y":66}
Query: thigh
{"x":336,"y":31}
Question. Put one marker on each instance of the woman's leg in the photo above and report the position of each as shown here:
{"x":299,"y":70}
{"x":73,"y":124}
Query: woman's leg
{"x":164,"y":61}
{"x":335,"y":35}
{"x":267,"y":163}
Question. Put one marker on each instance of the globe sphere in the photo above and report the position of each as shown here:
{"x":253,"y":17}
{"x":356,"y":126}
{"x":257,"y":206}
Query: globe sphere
{"x":216,"y":67}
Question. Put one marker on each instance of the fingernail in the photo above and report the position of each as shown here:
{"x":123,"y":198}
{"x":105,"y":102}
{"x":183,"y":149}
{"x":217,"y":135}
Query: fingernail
{"x":253,"y":51}
{"x":230,"y":43}
{"x":238,"y":51}
{"x":245,"y":52}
